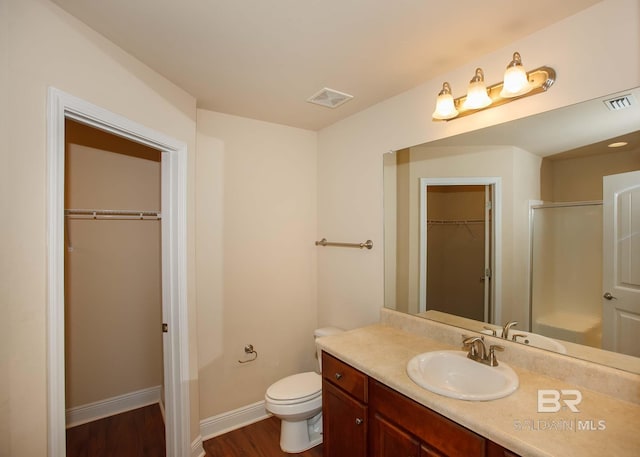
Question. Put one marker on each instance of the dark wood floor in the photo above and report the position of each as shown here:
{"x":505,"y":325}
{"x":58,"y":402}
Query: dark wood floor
{"x":140,"y":433}
{"x":261,"y":439}
{"x":136,"y":433}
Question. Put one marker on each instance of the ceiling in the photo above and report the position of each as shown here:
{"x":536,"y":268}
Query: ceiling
{"x":262,"y":59}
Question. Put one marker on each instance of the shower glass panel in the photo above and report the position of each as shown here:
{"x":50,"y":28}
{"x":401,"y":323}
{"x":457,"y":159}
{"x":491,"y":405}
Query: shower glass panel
{"x":566,"y":272}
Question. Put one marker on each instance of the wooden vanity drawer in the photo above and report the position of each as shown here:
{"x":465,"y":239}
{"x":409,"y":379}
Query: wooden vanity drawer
{"x":344,"y":376}
{"x":441,"y":434}
{"x":495,"y":450}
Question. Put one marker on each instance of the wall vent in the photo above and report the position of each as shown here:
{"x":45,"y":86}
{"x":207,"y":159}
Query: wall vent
{"x":329,"y":98}
{"x":621,"y":102}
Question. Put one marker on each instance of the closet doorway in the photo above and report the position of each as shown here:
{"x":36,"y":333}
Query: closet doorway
{"x":175,"y":334}
{"x":458,"y":246}
{"x":113,"y":291}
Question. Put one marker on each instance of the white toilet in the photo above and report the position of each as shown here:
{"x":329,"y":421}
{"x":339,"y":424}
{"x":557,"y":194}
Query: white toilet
{"x":297,"y":401}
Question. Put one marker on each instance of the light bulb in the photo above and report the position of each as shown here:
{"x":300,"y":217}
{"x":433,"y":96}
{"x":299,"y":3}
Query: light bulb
{"x":477,"y":96}
{"x":445,"y":106}
{"x":516,"y":81}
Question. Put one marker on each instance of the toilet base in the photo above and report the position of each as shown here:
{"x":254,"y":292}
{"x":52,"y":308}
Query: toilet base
{"x":300,"y":436}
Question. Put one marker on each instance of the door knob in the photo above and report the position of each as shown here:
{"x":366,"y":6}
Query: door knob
{"x":608,"y":296}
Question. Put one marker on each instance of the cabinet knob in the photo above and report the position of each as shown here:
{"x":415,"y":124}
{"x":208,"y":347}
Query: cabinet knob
{"x":338,"y":376}
{"x":359,"y":421}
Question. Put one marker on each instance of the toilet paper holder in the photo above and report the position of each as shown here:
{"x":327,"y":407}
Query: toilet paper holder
{"x":248,"y":349}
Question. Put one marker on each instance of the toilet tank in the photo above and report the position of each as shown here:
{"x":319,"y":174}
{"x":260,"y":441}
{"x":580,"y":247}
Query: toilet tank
{"x":324,"y":331}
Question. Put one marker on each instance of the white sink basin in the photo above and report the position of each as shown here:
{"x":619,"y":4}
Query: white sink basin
{"x":452,"y":374}
{"x":532,"y":339}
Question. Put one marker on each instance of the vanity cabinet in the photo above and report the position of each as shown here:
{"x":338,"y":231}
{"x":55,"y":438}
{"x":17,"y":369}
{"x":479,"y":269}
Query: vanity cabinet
{"x":344,"y":406}
{"x":363,"y":417}
{"x":495,"y":450}
{"x":434,"y":435}
{"x":388,"y":439}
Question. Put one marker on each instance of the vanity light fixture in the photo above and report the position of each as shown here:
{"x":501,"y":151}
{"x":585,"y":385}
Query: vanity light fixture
{"x":445,"y":108}
{"x":477,"y":96}
{"x":517,"y":83}
{"x":515,"y":80}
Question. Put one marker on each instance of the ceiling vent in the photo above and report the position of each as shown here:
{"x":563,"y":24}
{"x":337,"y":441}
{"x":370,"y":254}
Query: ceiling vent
{"x":621,"y":102}
{"x":329,"y":98}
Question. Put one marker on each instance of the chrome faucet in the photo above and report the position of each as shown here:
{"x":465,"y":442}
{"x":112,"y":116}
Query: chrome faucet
{"x":493,"y":331}
{"x":478,"y":351}
{"x":507,"y":327}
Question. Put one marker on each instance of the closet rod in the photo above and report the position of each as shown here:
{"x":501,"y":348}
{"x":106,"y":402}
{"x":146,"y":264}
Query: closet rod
{"x":455,"y":222}
{"x":111,"y":214}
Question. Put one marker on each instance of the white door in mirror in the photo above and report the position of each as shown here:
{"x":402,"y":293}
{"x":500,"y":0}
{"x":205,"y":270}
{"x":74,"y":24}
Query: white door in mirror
{"x":621,"y":263}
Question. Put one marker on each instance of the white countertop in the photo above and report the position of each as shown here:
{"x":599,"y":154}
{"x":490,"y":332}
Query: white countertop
{"x":604,"y":425}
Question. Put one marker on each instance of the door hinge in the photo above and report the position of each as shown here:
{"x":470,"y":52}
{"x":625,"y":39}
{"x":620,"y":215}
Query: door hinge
{"x":487,"y":273}
{"x":489,"y":205}
{"x":165,"y":327}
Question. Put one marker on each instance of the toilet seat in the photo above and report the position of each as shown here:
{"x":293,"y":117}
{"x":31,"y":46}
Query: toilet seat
{"x":297,"y":388}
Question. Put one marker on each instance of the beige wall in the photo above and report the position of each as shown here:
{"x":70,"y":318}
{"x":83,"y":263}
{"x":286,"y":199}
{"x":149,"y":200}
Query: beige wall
{"x":46,"y":47}
{"x":113,"y":290}
{"x":392,"y":275}
{"x":256,"y":209}
{"x":5,"y":432}
{"x":580,"y":178}
{"x":396,"y":229}
{"x":350,"y":152}
{"x":518,"y":171}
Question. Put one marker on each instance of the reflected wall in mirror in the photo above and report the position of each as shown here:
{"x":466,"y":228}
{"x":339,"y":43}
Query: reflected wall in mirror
{"x":550,"y":168}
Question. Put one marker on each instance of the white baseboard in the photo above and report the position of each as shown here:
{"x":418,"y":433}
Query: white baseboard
{"x":231,"y":420}
{"x":196,"y":447}
{"x":114,"y":405}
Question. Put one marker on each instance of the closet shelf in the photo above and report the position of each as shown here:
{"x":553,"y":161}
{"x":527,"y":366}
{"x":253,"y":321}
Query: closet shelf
{"x":455,"y":222}
{"x":102,"y":214}
{"x":112,"y":214}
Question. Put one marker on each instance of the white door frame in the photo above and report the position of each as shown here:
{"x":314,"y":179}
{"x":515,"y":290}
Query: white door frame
{"x":496,"y":274}
{"x":63,"y":106}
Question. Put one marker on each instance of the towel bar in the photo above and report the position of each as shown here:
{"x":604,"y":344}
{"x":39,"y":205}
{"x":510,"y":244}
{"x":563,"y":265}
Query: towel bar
{"x":367,"y":244}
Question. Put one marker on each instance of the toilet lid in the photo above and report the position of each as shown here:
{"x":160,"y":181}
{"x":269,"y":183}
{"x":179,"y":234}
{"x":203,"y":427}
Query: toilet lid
{"x":297,"y":386}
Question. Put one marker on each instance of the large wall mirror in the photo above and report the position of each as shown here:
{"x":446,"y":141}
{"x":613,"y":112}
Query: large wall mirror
{"x":535,"y":220}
